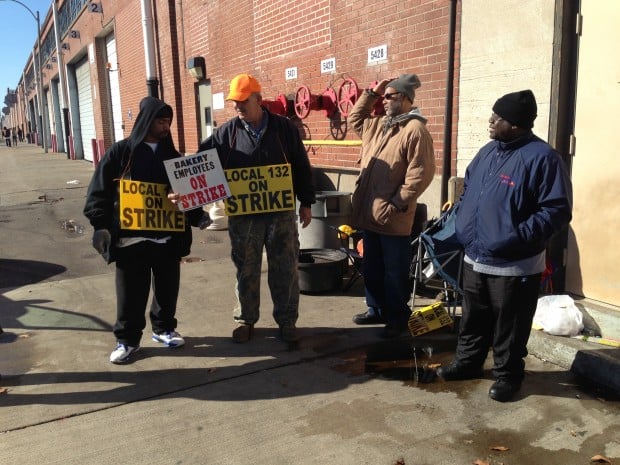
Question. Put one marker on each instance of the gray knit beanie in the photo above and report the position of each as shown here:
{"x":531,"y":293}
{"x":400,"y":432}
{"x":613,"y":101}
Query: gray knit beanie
{"x":407,"y":84}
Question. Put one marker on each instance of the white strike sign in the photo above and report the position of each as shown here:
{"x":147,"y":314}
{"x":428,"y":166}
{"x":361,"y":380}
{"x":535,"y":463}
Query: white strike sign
{"x":199,"y":179}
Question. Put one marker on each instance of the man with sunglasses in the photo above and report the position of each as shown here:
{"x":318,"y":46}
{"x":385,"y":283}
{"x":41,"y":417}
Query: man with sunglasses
{"x":517,"y":194}
{"x":397,"y":165}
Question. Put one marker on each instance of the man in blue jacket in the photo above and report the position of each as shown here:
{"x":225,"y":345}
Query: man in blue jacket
{"x":517,"y":194}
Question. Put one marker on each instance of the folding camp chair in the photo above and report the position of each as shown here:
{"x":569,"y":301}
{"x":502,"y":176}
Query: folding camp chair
{"x":350,"y":244}
{"x":438,"y":261}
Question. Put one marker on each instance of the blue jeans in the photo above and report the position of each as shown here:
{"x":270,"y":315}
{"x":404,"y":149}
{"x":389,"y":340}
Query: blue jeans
{"x":387,"y":260}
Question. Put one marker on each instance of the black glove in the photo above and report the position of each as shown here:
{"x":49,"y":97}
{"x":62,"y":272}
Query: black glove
{"x":101,"y":240}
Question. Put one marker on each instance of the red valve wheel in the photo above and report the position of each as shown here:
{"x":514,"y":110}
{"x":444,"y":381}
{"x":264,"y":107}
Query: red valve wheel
{"x":347,"y":96}
{"x":302,"y":102}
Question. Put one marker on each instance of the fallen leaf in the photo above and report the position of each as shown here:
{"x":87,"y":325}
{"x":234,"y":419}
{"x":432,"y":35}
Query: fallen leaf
{"x":480,"y":462}
{"x":500,"y":448}
{"x":573,"y":433}
{"x":400,"y":461}
{"x":3,"y":391}
{"x":600,"y":459}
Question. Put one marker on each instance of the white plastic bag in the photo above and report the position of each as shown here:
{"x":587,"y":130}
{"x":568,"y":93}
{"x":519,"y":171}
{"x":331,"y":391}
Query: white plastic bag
{"x":558,"y":315}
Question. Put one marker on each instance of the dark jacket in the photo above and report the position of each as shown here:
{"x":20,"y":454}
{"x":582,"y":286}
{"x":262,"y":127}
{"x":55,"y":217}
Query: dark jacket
{"x":516,"y":196}
{"x":132,"y":159}
{"x":281,"y":143}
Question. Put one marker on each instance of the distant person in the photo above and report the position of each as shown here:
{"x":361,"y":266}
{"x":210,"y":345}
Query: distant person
{"x":398,"y":164}
{"x":20,"y":134}
{"x":141,"y":255}
{"x":6,"y":133}
{"x":14,"y":135}
{"x":517,"y":194}
{"x":258,"y":138}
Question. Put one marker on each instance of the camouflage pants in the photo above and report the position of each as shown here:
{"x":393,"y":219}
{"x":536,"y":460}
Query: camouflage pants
{"x":277,"y":234}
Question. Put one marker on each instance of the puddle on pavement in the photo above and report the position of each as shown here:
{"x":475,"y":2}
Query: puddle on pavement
{"x":46,"y":199}
{"x":406,"y":360}
{"x":412,"y":361}
{"x":72,"y":228}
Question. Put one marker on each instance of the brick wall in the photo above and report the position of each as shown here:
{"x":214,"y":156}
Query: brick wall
{"x":265,"y":37}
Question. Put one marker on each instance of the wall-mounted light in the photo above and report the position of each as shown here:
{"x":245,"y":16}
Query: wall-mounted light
{"x":196,"y":67}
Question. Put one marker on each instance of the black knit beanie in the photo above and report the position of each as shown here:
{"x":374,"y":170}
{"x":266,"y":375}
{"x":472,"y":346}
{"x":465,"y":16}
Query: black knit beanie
{"x":518,"y":108}
{"x":407,"y":84}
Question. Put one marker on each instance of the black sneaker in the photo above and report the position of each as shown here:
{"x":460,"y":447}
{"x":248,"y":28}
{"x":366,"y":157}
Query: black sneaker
{"x":368,"y":318}
{"x":456,"y":371}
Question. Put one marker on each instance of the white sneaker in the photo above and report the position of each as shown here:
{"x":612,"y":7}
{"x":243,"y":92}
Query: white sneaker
{"x":122,"y":353}
{"x":170,"y":338}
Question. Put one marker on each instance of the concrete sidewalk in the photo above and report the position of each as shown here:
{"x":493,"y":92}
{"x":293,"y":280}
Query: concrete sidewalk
{"x":341,"y":396}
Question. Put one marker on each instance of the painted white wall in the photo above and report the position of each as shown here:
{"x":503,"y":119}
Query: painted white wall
{"x":506,"y":46}
{"x":593,"y":254}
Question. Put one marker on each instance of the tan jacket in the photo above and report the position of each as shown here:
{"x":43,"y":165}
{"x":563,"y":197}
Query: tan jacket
{"x":396,"y":168}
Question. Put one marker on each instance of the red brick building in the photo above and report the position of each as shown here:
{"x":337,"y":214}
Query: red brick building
{"x":312,"y":58}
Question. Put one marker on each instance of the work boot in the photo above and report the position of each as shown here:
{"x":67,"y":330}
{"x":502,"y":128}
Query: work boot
{"x":242,"y":333}
{"x":370,"y":317}
{"x":503,"y":390}
{"x":288,"y":333}
{"x":456,"y":371}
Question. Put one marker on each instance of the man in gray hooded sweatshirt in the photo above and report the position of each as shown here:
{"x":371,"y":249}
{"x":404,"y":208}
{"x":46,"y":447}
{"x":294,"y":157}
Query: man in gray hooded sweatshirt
{"x":142,"y":248}
{"x":397,"y":165}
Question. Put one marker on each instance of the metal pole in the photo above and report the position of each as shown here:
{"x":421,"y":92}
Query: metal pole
{"x":61,"y":77}
{"x":149,"y":48}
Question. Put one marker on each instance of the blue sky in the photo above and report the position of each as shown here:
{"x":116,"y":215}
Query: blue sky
{"x":18,"y":35}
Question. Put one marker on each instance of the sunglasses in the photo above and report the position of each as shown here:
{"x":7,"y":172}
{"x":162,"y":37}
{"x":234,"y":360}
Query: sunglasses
{"x":390,"y":96}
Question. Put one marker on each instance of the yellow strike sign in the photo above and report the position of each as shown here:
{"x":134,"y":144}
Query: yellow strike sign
{"x":145,"y":206}
{"x":260,"y":189}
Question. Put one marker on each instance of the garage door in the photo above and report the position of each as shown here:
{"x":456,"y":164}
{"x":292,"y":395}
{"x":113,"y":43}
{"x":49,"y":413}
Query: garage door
{"x":85,"y":106}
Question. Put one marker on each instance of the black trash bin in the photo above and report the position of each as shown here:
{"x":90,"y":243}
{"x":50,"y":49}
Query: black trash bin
{"x":332,"y":208}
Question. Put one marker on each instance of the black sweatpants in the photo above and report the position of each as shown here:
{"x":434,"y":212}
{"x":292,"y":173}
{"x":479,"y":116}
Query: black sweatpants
{"x":498,"y":313}
{"x":136,"y":267}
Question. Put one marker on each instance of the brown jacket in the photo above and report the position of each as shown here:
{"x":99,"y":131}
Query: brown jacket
{"x":396,"y":168}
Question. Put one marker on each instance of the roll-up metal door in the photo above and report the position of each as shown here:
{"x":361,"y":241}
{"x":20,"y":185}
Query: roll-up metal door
{"x":85,"y":105}
{"x":49,"y":114}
